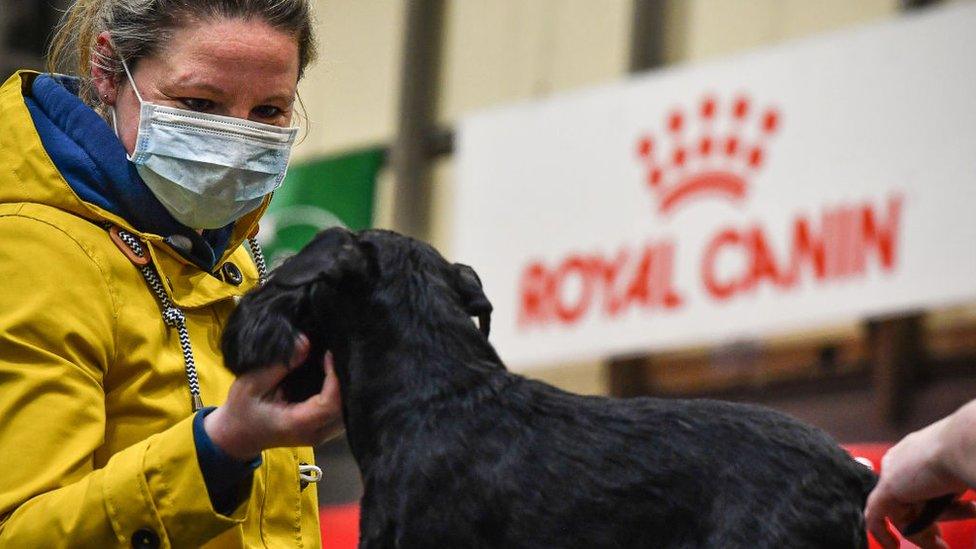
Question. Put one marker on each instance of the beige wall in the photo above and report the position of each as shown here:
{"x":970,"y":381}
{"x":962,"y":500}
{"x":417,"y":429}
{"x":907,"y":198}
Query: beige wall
{"x":722,"y":27}
{"x":503,"y":51}
{"x":351,"y":92}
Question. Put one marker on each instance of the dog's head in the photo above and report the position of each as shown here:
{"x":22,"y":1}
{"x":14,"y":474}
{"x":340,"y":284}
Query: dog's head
{"x":339,"y":286}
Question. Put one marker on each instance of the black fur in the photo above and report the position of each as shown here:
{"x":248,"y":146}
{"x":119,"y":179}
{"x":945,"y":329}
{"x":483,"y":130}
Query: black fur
{"x":457,"y":452}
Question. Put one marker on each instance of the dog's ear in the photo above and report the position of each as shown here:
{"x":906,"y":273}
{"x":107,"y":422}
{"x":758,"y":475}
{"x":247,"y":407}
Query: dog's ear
{"x":473,"y":297}
{"x":333,"y":256}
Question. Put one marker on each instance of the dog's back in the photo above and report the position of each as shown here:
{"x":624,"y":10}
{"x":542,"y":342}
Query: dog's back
{"x":533,"y":466}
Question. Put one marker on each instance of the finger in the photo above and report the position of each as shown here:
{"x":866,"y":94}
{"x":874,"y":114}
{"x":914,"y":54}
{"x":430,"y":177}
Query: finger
{"x":300,"y":353}
{"x":959,"y":510}
{"x":320,"y":416}
{"x":320,"y":407}
{"x":330,"y":387}
{"x":876,"y":511}
{"x":930,"y":538}
{"x":329,"y":430}
{"x":883,"y":506}
{"x":883,"y":532}
{"x":263,"y":381}
{"x":330,"y":383}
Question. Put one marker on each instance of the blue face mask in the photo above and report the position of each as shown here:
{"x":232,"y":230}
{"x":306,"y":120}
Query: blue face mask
{"x":208,"y":170}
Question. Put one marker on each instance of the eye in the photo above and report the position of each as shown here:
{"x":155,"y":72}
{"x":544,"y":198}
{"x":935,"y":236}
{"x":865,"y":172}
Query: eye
{"x":199,"y":105}
{"x":267,"y":111}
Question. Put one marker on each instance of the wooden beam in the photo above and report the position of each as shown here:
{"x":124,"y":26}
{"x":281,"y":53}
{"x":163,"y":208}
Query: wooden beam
{"x":629,"y":376}
{"x":896,"y":351}
{"x":647,"y":34}
{"x":420,"y":83}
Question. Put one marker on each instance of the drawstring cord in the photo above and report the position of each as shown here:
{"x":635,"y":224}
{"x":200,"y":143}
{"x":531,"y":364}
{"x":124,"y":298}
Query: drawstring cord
{"x":258,"y":256}
{"x":173,"y":316}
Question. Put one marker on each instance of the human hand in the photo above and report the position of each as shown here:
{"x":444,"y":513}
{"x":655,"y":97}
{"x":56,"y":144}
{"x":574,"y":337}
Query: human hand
{"x":913,"y":472}
{"x":256,"y":416}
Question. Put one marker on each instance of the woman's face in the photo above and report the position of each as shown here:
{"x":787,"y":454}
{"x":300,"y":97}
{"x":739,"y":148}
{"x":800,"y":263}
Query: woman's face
{"x":231,"y":67}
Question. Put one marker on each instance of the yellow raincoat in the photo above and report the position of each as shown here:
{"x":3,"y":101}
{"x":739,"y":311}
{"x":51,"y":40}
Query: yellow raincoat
{"x":96,"y":441}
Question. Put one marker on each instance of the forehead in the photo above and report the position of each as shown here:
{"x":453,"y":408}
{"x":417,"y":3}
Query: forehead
{"x":242,"y":55}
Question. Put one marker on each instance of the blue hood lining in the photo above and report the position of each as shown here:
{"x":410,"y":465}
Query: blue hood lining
{"x":93,"y":161}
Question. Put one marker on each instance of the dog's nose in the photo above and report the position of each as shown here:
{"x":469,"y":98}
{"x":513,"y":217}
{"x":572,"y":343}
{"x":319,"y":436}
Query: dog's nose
{"x":232,"y":274}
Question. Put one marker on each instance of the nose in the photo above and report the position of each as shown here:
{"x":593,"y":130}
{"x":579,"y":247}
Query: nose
{"x":240,"y":111}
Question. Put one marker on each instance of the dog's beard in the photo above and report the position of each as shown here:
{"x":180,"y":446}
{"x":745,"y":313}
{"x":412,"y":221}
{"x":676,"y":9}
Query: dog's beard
{"x":263,"y":331}
{"x":260,"y":332}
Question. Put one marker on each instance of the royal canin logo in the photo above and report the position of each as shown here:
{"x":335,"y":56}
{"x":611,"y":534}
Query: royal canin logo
{"x":715,"y":153}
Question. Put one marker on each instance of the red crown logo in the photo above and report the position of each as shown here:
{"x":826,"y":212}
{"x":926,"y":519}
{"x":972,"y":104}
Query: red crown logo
{"x":716,"y":158}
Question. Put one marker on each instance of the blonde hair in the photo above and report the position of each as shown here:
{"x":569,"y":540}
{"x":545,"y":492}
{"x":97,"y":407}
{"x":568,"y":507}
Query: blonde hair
{"x":140,"y":28}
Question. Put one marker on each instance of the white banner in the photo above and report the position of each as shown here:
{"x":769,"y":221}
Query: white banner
{"x":812,"y":183}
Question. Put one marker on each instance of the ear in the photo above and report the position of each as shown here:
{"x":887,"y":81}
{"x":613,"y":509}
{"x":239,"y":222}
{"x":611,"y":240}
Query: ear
{"x":334,"y":256}
{"x":105,"y":76}
{"x":473,"y":297}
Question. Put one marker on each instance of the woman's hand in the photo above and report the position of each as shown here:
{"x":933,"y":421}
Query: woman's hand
{"x":920,"y":467}
{"x":256,"y":416}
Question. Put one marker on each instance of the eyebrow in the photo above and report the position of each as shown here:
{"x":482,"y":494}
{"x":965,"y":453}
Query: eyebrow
{"x":286,"y":99}
{"x":191,"y":82}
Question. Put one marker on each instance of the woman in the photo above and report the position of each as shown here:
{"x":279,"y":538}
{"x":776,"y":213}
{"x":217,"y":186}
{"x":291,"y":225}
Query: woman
{"x":125,"y":196}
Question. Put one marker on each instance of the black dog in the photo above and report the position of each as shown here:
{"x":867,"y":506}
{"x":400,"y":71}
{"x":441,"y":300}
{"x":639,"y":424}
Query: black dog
{"x":457,"y":452}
